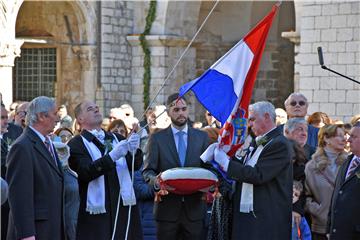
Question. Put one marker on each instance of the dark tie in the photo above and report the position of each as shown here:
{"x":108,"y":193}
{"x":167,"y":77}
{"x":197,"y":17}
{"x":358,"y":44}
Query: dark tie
{"x":181,"y":147}
{"x":353,"y":165}
{"x":50,"y":149}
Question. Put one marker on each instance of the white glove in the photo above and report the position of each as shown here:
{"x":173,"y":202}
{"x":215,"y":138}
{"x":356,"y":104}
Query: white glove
{"x":221,"y":158}
{"x":208,"y":155}
{"x":134,"y":142}
{"x":120,"y":150}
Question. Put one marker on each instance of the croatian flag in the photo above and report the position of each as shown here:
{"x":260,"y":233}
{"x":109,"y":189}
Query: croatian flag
{"x":225,"y":89}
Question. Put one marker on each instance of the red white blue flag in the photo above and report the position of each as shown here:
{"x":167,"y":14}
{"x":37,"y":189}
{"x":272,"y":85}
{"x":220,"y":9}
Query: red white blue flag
{"x":225,"y":89}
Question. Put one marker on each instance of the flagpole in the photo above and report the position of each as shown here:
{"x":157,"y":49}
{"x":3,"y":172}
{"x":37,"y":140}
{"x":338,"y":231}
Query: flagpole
{"x":277,"y":5}
{"x":180,"y":58}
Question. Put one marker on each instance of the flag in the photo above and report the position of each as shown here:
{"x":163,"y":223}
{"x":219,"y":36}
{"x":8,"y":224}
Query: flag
{"x":225,"y":88}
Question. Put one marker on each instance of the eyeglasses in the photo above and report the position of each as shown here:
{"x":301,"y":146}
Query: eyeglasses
{"x":301,"y":103}
{"x":23,"y":113}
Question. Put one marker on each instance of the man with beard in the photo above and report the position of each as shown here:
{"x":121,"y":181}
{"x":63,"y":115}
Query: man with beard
{"x":179,"y":145}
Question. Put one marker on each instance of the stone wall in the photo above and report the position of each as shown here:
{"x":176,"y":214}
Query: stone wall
{"x":116,"y":83}
{"x":165,"y":52}
{"x":335,"y":26}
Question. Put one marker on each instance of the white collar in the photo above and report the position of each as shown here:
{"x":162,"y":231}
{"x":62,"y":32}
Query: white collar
{"x":175,"y":130}
{"x":266,"y":132}
{"x":42,"y":137}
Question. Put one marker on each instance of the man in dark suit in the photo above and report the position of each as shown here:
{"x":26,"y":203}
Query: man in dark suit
{"x":344,"y":220}
{"x":9,"y":133}
{"x":263,"y":197}
{"x":101,"y":159}
{"x":179,"y":145}
{"x":35,"y":177}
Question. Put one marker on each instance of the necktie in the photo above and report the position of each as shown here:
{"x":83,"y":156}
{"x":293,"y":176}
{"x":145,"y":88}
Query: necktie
{"x":181,"y":147}
{"x":49,"y":148}
{"x":353,"y":165}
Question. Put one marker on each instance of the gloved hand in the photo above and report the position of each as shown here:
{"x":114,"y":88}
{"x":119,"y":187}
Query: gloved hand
{"x":221,"y":158}
{"x":119,"y":150}
{"x":134,"y":142}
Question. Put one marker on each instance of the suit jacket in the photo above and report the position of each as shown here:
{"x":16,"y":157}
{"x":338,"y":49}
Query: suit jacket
{"x":10,"y":136}
{"x":345,"y":205}
{"x":14,"y":131}
{"x":100,"y":226}
{"x":35,"y":190}
{"x":272,"y":181}
{"x":161,"y":156}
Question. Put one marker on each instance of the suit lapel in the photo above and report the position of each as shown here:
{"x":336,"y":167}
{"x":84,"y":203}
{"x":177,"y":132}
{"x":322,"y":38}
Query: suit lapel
{"x":344,"y":181}
{"x":189,"y":149}
{"x":41,"y":148}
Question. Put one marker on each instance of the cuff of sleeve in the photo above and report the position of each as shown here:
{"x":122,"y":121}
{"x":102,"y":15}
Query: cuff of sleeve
{"x":226,"y":165}
{"x":156,"y":187}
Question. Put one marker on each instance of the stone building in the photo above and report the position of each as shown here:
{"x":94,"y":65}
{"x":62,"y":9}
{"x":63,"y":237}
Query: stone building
{"x":75,"y":50}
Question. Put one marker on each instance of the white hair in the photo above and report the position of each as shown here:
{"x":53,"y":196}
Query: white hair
{"x":291,"y":124}
{"x":40,"y":104}
{"x":262,"y":108}
{"x":295,"y":94}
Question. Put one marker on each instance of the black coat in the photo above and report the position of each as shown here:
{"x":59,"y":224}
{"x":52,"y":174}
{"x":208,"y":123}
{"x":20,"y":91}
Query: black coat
{"x":35,"y":190}
{"x":345,"y":205}
{"x":100,"y":226}
{"x":14,"y":131}
{"x":272,"y":180}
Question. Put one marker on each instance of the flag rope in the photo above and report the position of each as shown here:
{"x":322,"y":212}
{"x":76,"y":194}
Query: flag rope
{"x":180,"y":58}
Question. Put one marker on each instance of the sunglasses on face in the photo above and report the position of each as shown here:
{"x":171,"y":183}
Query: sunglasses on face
{"x":294,"y":103}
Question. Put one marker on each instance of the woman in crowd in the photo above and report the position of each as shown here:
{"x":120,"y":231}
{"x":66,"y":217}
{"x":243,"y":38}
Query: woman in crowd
{"x":319,"y":119}
{"x":118,"y":126}
{"x":320,"y":174}
{"x":71,"y":188}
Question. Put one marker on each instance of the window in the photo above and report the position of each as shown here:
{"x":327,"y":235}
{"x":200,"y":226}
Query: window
{"x":34,"y":74}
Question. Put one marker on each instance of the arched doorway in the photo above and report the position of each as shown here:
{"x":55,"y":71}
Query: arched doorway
{"x":57,"y":54}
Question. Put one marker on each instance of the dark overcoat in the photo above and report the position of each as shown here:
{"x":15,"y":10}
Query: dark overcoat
{"x":100,"y":226}
{"x":35,"y":190}
{"x":272,"y":181}
{"x":345,"y":205}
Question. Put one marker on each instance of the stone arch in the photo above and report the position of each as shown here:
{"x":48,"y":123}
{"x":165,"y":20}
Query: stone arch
{"x":76,"y":57}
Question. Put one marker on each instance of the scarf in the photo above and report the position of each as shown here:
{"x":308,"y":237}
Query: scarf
{"x":247,"y":189}
{"x":95,"y":202}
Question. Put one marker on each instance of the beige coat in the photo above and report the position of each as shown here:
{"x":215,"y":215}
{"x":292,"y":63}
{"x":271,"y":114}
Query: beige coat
{"x":319,"y":187}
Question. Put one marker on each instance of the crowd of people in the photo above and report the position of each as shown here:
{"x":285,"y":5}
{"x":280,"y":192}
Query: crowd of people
{"x":297,"y":176}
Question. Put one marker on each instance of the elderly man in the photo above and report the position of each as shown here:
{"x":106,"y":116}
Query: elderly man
{"x":179,"y":145}
{"x":35,"y":177}
{"x":344,"y":221}
{"x":296,"y":129}
{"x":296,"y":106}
{"x":20,"y":114}
{"x":103,"y":162}
{"x":263,"y":195}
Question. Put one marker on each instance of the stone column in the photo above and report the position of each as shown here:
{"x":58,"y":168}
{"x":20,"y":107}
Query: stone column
{"x":8,"y":51}
{"x":165,"y":52}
